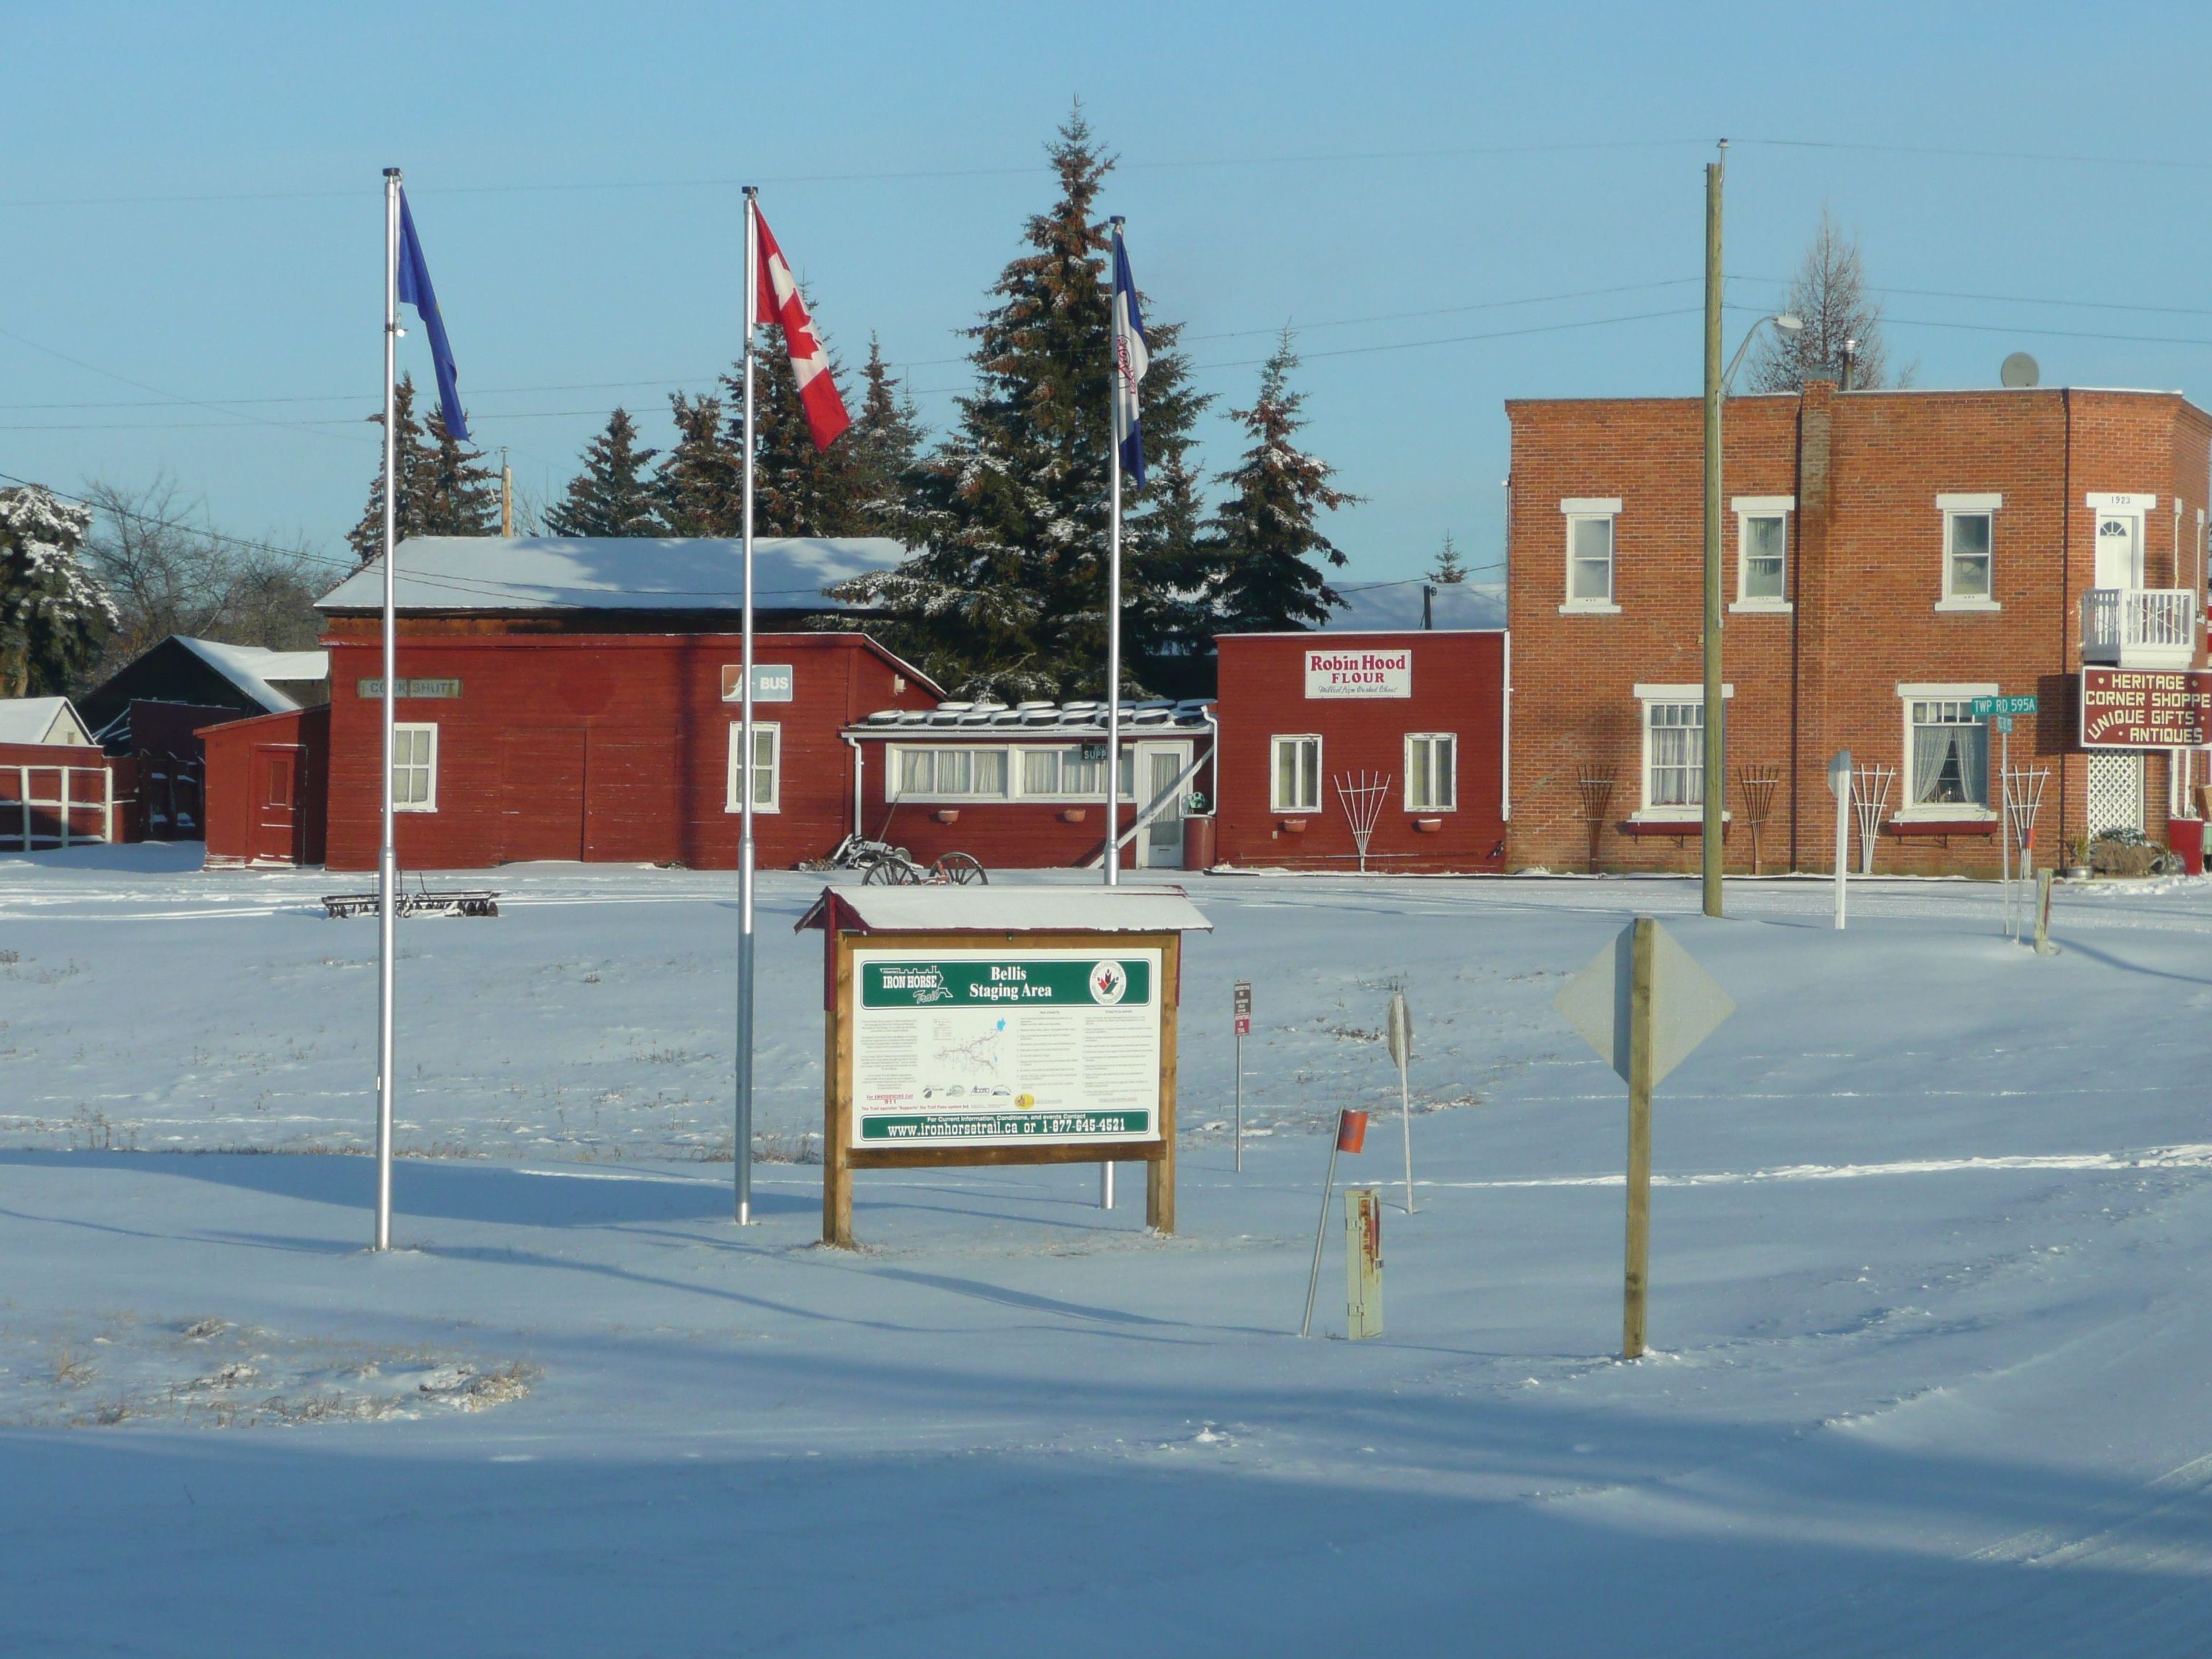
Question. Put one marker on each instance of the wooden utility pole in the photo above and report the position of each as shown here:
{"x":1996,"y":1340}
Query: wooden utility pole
{"x":1641,"y":951}
{"x":506,"y":496}
{"x":1716,"y":733}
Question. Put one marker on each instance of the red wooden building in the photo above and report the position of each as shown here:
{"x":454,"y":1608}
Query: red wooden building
{"x":267,"y":788}
{"x":1406,"y":728}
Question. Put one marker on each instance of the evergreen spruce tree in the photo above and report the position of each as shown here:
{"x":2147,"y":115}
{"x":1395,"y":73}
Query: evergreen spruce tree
{"x":884,"y":442}
{"x":54,"y":612}
{"x":701,"y":481}
{"x":1449,"y":569}
{"x":1268,"y":579}
{"x":367,"y":537}
{"x":1006,"y":591}
{"x":612,"y":495}
{"x":460,"y":495}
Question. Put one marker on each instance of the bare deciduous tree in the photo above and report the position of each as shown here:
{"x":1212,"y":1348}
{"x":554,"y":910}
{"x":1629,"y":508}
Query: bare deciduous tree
{"x":1830,"y":293}
{"x":171,"y":573}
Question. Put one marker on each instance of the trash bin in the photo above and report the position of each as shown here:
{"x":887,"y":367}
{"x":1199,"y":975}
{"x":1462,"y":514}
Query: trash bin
{"x":2185,"y":837}
{"x":1198,"y":842}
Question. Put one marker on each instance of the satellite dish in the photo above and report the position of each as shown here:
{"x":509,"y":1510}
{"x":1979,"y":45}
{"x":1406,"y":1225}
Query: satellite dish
{"x":2019,"y":370}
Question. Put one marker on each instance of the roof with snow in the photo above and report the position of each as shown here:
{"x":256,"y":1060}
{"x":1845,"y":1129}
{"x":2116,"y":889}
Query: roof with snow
{"x":41,"y":720}
{"x":1033,"y":721}
{"x":261,"y":673}
{"x":1006,"y":909}
{"x":1395,"y":607}
{"x":605,"y":572}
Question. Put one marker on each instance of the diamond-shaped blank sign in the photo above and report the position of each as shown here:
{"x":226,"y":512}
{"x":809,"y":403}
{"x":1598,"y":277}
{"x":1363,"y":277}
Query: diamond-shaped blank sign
{"x":1687,"y":1005}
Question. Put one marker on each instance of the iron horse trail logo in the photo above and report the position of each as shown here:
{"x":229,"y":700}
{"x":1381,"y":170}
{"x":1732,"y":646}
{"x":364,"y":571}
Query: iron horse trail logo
{"x":922,"y":983}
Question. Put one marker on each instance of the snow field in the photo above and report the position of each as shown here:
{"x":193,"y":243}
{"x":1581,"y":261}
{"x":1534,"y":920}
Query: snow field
{"x":1927,"y":1299}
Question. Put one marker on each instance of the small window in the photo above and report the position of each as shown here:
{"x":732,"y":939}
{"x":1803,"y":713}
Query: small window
{"x":1966,"y":555}
{"x":1950,"y":754}
{"x":1295,"y":785}
{"x":1765,"y":539}
{"x":1590,"y":560}
{"x":1040,"y":771}
{"x":1431,"y":772}
{"x":1674,"y":754}
{"x":768,"y":767}
{"x":935,"y":773}
{"x":415,"y":769}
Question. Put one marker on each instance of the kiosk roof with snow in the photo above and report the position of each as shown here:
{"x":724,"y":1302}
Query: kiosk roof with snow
{"x":1005,"y":910}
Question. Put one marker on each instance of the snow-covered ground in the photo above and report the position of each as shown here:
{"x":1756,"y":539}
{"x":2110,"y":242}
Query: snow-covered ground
{"x":1934,"y":1346}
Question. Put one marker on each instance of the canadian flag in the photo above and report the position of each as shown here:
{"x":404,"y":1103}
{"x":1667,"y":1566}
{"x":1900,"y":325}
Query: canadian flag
{"x":780,"y":302}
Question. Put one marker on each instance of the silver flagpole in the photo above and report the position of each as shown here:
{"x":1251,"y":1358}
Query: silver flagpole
{"x":744,"y":1124}
{"x":388,"y":860}
{"x":1114,"y":614}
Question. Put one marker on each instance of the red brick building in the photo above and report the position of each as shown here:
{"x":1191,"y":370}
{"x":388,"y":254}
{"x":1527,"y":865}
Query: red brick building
{"x":1889,"y":557}
{"x":1414,"y":719}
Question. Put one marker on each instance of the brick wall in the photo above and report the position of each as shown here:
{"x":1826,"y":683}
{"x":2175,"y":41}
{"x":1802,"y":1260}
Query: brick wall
{"x":1865,"y":580}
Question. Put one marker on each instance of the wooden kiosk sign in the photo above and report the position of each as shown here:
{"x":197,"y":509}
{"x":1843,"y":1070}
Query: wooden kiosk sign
{"x":999,"y":1025}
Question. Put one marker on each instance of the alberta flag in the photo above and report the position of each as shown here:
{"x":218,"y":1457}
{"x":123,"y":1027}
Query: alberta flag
{"x":415,"y":290}
{"x":1131,"y":358}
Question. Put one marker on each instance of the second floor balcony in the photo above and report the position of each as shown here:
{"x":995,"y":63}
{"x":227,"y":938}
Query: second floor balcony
{"x":2139,"y":627}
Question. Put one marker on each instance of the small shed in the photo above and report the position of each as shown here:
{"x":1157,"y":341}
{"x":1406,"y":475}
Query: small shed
{"x":56,"y":789}
{"x":41,"y":721}
{"x":267,"y":788}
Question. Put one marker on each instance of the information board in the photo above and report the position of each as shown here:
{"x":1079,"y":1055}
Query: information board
{"x":1348,"y":673}
{"x":2136,"y":708}
{"x":1019,"y":1046}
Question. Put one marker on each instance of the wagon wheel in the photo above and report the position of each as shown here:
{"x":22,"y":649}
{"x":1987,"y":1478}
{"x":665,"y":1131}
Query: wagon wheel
{"x":961,"y":869}
{"x":884,"y":874}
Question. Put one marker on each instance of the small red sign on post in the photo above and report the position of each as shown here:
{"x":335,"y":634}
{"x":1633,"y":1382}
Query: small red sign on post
{"x":1351,"y":1130}
{"x":1243,"y":1026}
{"x":2137,"y":708}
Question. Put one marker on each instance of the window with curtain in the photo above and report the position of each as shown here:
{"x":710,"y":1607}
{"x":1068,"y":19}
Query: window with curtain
{"x":1673,"y":754}
{"x":415,"y":769}
{"x":1295,"y":784}
{"x":1950,"y":755}
{"x":1431,"y":772}
{"x":1967,"y":561}
{"x":941,"y":774}
{"x":1765,"y":543}
{"x":1590,"y":560}
{"x":767,"y":757}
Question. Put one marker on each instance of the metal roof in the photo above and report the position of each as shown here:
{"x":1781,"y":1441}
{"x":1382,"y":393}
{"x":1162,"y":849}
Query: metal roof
{"x":1007,"y":910}
{"x":967,"y":721}
{"x":491,"y":572}
{"x":252,"y":668}
{"x":41,"y":720}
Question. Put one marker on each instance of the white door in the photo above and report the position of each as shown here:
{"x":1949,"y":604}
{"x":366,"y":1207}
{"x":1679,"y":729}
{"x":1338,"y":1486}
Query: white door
{"x":2119,"y":550}
{"x":2115,"y":790}
{"x":1163,"y":765}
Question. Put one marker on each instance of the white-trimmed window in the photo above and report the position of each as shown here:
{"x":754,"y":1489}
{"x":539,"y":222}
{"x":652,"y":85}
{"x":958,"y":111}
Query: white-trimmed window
{"x":1431,"y":772}
{"x":1969,"y":552}
{"x":1946,"y":752}
{"x":768,"y":767}
{"x":1673,"y":751}
{"x":1762,"y":557}
{"x":415,"y":769}
{"x":943,"y":772}
{"x":1589,"y":520}
{"x":1067,"y":772}
{"x":1294,"y":774}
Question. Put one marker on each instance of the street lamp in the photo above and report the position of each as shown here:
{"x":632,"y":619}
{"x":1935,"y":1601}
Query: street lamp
{"x":1784,"y":322}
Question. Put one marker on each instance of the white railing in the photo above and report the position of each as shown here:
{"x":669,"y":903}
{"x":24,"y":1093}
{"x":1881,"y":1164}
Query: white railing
{"x":2139,"y":627}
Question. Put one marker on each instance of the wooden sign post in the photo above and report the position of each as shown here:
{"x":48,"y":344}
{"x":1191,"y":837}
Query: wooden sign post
{"x":1033,"y":1026}
{"x":1644,"y":1004}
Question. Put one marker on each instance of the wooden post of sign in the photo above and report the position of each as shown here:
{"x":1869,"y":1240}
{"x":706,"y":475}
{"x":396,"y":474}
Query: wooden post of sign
{"x":837,"y":1107}
{"x":1160,"y":1173}
{"x":1642,"y":948}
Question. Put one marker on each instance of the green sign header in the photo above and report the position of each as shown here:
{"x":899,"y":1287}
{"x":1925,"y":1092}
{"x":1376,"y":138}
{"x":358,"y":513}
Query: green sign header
{"x":1016,"y":981}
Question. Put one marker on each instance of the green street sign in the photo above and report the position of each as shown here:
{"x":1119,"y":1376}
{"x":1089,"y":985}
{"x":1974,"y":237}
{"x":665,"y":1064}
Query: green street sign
{"x":2004,"y":724}
{"x":1985,"y":706}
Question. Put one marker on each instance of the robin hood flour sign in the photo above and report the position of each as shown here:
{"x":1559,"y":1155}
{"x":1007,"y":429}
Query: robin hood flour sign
{"x":1353,"y":673}
{"x":1019,"y":1047}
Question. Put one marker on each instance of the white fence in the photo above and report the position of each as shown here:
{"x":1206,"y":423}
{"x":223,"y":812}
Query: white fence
{"x":2143,"y":626}
{"x":31,"y":820}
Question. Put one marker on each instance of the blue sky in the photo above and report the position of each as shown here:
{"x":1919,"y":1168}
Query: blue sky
{"x":1388,"y":180}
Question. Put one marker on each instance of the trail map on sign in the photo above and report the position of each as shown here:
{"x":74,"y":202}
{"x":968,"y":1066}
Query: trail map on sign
{"x":978,"y":1047}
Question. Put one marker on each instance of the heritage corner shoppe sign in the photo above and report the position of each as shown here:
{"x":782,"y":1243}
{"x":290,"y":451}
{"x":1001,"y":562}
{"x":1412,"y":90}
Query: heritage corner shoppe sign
{"x":999,"y":1025}
{"x":2139,"y":708}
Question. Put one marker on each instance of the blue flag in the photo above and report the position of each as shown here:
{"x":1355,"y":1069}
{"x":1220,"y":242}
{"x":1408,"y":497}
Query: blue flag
{"x":415,"y":290}
{"x":1131,"y":356}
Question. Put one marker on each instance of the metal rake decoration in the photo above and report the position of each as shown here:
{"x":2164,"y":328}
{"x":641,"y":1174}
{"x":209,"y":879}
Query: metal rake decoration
{"x":1758,"y":784}
{"x":1362,"y":794}
{"x":1596,"y":788}
{"x":1870,"y":800}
